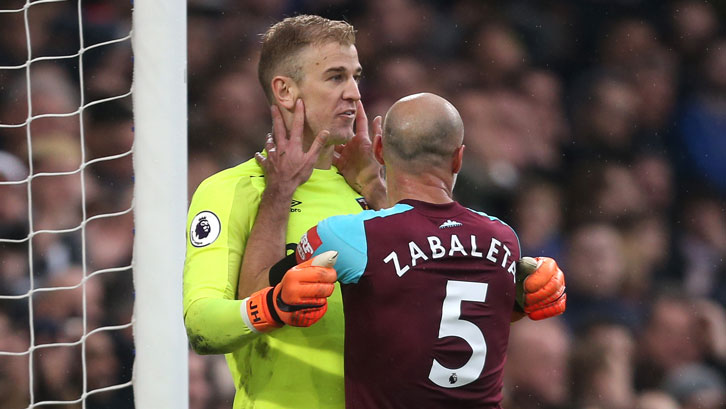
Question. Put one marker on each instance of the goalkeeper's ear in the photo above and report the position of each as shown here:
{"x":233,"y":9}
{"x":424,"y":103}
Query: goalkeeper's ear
{"x":280,"y":268}
{"x":285,"y":92}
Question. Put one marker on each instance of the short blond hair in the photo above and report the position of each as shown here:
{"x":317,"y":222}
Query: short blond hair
{"x":283,"y":41}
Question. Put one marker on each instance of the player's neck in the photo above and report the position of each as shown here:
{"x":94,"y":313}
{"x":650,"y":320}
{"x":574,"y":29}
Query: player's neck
{"x":325,"y":158}
{"x":426,"y":188}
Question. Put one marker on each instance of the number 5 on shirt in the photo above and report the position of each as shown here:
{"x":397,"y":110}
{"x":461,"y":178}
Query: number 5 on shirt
{"x":452,"y":326}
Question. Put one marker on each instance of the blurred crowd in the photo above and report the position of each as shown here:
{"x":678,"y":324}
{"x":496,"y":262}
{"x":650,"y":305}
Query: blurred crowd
{"x":77,"y":204}
{"x":597,"y":129}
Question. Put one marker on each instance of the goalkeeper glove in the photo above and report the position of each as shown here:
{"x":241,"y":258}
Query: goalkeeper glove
{"x":300,"y":299}
{"x":540,"y":287}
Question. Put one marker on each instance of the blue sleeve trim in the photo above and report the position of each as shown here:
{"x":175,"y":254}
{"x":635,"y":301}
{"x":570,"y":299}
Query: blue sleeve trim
{"x":347,"y":235}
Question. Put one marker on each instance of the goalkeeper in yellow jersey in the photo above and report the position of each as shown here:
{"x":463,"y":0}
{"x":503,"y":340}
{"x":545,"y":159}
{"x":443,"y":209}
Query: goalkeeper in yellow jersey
{"x":242,"y":220}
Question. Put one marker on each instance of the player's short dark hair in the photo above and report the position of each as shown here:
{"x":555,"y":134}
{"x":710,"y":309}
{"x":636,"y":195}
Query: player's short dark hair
{"x":283,"y":41}
{"x":436,"y":144}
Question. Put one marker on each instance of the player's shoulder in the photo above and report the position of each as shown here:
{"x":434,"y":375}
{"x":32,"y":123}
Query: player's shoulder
{"x":225,"y":181}
{"x":368,"y":215}
{"x":493,"y":219}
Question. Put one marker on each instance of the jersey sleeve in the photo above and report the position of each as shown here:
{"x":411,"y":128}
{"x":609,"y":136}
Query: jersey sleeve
{"x":344,"y":234}
{"x":218,"y":224}
{"x":512,"y":243}
{"x":517,"y":248}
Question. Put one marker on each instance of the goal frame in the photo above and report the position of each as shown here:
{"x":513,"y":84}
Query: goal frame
{"x":160,"y":375}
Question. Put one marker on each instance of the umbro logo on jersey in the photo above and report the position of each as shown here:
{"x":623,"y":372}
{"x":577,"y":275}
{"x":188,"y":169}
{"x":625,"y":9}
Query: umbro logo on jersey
{"x":449,"y":223}
{"x":293,"y":206}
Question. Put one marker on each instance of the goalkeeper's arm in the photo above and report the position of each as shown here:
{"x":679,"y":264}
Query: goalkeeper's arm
{"x":299,"y":299}
{"x":217,"y":325}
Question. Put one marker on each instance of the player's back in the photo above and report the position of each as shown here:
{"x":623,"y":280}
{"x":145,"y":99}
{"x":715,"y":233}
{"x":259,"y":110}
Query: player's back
{"x":427,"y":323}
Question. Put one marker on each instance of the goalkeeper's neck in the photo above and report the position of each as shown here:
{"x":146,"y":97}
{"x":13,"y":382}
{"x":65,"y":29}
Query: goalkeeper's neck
{"x":325,"y":158}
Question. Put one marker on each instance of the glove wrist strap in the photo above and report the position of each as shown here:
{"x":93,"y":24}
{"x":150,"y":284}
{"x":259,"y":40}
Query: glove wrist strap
{"x":259,"y":313}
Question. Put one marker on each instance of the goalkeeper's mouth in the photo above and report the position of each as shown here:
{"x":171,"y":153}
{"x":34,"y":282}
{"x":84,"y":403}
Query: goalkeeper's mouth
{"x":347,"y":114}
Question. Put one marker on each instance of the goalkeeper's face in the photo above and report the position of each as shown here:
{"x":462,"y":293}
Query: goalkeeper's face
{"x":329,"y":89}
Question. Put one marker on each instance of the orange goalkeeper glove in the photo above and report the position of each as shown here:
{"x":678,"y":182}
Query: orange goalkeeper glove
{"x":299,"y":300}
{"x":540,"y":287}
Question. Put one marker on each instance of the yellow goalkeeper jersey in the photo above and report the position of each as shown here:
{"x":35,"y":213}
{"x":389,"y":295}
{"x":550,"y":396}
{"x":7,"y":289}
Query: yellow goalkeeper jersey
{"x":286,"y":368}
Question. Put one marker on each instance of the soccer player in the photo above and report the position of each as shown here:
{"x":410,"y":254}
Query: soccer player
{"x":241,"y":219}
{"x":429,"y":285}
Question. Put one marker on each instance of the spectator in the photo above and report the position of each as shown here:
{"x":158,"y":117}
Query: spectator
{"x":702,"y":245}
{"x":13,"y":197}
{"x":110,"y":132}
{"x":14,"y":379}
{"x":64,"y":302}
{"x":103,"y":370}
{"x":543,"y":89}
{"x":655,"y":399}
{"x":58,"y":158}
{"x":499,"y":53}
{"x":601,"y":367}
{"x":537,"y":377}
{"x":693,"y":24}
{"x":667,"y":341}
{"x":595,"y":275}
{"x":604,"y":116}
{"x":703,"y":121}
{"x":201,"y":389}
{"x":604,"y":190}
{"x":654,"y":176}
{"x":697,"y":387}
{"x":234,"y":118}
{"x":52,"y":92}
{"x":538,"y":218}
{"x":647,"y":254}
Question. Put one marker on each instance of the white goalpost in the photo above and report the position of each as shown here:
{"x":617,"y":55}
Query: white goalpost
{"x":160,"y":165}
{"x":34,"y":273}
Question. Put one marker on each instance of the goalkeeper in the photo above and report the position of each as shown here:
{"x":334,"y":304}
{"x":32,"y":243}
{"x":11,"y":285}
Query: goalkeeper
{"x":428,"y":285}
{"x":242,"y":219}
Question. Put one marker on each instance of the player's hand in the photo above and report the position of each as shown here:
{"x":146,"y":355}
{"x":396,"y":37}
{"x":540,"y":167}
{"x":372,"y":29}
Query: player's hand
{"x":540,"y":287}
{"x":299,"y":300}
{"x":356,"y":163}
{"x":287,"y":166}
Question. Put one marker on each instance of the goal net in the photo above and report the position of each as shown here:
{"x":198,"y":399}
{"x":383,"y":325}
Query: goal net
{"x":92,"y":203}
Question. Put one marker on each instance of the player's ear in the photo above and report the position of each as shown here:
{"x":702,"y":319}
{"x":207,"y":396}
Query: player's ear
{"x":378,"y":148}
{"x":458,"y":159}
{"x":285,"y":92}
